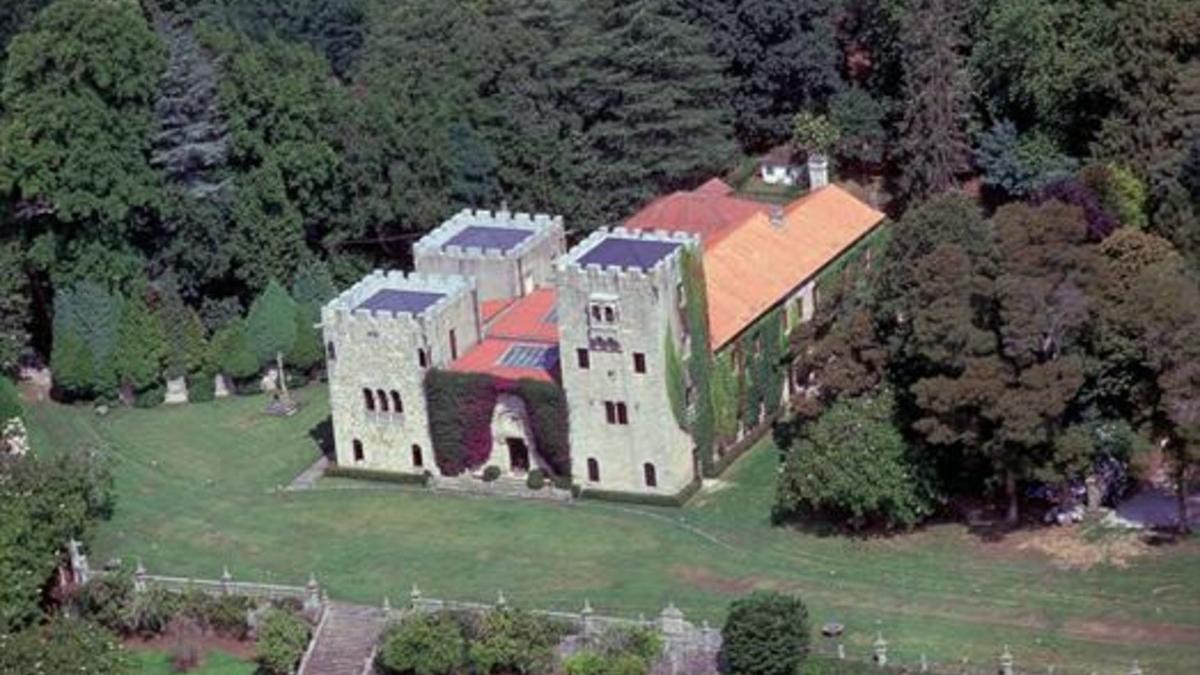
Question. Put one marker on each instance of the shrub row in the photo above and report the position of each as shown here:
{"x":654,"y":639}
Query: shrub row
{"x":111,"y":602}
{"x":498,"y":641}
{"x":678,"y":499}
{"x":377,"y":476}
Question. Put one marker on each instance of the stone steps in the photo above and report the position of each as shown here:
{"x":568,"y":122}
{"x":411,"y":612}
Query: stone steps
{"x":345,"y":642}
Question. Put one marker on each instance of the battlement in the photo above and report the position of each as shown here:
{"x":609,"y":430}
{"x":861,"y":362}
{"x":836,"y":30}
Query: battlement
{"x":488,"y":235}
{"x":626,"y":255}
{"x":395,"y":295}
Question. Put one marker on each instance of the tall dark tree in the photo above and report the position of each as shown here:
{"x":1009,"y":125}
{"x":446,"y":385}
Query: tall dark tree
{"x":652,"y":99}
{"x":14,"y":305}
{"x":933,"y":141}
{"x":783,"y":57}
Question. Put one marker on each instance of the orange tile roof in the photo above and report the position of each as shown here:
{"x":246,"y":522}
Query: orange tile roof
{"x":488,"y":309}
{"x":487,"y":357}
{"x":706,"y":211}
{"x":529,"y":320}
{"x":755,"y":265}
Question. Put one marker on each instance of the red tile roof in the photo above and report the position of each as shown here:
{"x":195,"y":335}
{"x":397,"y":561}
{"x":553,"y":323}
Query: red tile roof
{"x":705,"y":211}
{"x":530,"y":320}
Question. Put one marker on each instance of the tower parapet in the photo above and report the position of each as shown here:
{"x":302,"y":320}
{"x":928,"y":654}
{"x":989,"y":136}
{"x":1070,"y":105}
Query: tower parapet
{"x":509,"y":254}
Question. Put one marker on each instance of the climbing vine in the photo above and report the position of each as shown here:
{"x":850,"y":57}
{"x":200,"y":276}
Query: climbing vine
{"x":700,"y":359}
{"x":763,"y":348}
{"x":725,"y":393}
{"x":460,"y":419}
{"x":675,"y":384}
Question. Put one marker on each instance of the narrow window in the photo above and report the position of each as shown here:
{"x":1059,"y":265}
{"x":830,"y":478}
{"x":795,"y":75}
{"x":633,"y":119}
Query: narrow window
{"x":422,"y":358}
{"x":639,"y":362}
{"x":383,"y":402}
{"x":596,"y":312}
{"x":585,"y":360}
{"x":622,"y":415}
{"x":331,"y":354}
{"x":358,"y":451}
{"x":418,"y":460}
{"x":609,"y":315}
{"x":610,"y":412}
{"x":453,"y":345}
{"x":593,"y":470}
{"x":650,"y":474}
{"x":397,"y":405}
{"x":369,"y":399}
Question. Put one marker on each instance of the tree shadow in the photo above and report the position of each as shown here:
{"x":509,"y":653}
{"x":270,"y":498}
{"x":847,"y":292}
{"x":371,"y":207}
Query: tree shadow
{"x":322,"y":435}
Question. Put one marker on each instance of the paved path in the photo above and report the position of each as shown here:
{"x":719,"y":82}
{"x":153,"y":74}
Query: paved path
{"x":345,"y":641}
{"x":308,"y":478}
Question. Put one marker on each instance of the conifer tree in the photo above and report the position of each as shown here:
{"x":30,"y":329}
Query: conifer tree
{"x":271,"y":327}
{"x":933,"y":141}
{"x":14,"y":305}
{"x":141,"y":345}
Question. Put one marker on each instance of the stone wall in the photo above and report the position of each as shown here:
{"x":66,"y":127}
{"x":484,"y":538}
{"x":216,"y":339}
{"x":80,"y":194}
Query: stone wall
{"x":647,"y":310}
{"x":380,"y":351}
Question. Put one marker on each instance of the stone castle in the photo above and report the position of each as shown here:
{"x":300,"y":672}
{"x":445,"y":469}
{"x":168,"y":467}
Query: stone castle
{"x":499,"y":294}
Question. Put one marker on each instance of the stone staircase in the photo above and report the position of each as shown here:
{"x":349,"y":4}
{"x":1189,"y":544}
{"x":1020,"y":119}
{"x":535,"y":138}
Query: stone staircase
{"x":345,"y":641}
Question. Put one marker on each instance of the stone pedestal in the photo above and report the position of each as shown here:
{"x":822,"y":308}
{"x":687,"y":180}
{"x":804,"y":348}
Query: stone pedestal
{"x":220,"y":386}
{"x":270,"y":380}
{"x":176,"y":391}
{"x":1093,"y":493}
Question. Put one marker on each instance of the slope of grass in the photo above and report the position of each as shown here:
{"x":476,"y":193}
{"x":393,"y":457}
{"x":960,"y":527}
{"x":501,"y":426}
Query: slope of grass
{"x":197,"y":490}
{"x":155,"y":662}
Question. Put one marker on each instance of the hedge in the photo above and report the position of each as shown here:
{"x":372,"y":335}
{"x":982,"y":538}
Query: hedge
{"x":376,"y":475}
{"x":460,"y":419}
{"x":676,"y":500}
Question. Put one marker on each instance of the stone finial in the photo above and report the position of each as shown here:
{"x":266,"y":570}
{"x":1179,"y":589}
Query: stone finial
{"x":671,"y":620}
{"x":880,"y":648}
{"x":1006,"y":661}
{"x":387,"y":606}
{"x":587,"y":608}
{"x":1136,"y":669}
{"x":139,"y":577}
{"x":226,"y":580}
{"x":841,"y":652}
{"x":501,"y":601}
{"x":312,"y":594}
{"x":924,"y":664}
{"x":414,"y":596}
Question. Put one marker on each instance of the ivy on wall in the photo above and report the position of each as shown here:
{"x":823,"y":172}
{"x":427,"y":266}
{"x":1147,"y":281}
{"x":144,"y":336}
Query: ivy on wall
{"x":699,"y":362}
{"x":460,"y":419}
{"x":675,"y":384}
{"x":726,"y":395}
{"x":762,"y":369}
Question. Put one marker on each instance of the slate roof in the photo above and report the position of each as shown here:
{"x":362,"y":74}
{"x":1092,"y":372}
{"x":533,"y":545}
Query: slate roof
{"x":489,"y":237}
{"x":628,"y":253}
{"x":395,"y":300}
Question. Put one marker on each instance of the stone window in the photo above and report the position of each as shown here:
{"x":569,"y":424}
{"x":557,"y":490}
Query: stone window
{"x":417,"y":459}
{"x":615,"y":412}
{"x":422,"y":358}
{"x":650,"y":474}
{"x":610,"y":314}
{"x":330,"y":352}
{"x":453,"y":345}
{"x":585,"y":360}
{"x":397,"y":404}
{"x":383,"y":400}
{"x":593,"y":470}
{"x":596,"y":312}
{"x":358,"y":451}
{"x":369,"y":399}
{"x":639,"y":362}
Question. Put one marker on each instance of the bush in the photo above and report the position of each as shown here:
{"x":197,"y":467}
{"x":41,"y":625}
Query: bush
{"x":491,"y":473}
{"x":201,"y":388}
{"x":563,"y":482}
{"x":152,"y":611}
{"x":151,"y":397}
{"x":64,"y":645}
{"x":377,"y":475}
{"x":765,"y":633}
{"x":282,"y":639}
{"x":297,"y":380}
{"x":227,"y":615}
{"x":108,"y":600}
{"x":516,"y":641}
{"x":10,"y":400}
{"x":423,"y":644}
{"x":590,"y":663}
{"x":536,"y":480}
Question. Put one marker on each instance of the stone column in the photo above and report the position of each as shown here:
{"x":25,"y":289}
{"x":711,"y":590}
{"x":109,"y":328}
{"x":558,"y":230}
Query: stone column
{"x":1093,"y":492}
{"x":226,"y":581}
{"x":414,"y":598}
{"x":139,"y":577}
{"x":587,"y":619}
{"x":1006,"y":662}
{"x":312,"y":594}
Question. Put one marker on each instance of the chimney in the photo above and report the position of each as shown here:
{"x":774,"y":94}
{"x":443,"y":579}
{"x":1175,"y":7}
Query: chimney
{"x":777,"y":216}
{"x":818,"y":171}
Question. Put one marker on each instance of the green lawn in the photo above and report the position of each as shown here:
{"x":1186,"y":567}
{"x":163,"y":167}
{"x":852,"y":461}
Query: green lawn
{"x":196,"y":490}
{"x":154,"y":662}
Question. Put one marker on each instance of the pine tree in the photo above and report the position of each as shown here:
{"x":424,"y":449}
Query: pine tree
{"x":141,"y":345}
{"x":652,"y":99}
{"x":73,"y":364}
{"x":92,"y":314}
{"x":14,"y":305}
{"x":933,"y":141}
{"x":307,"y":350}
{"x":183,"y":329}
{"x":271,"y":328}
